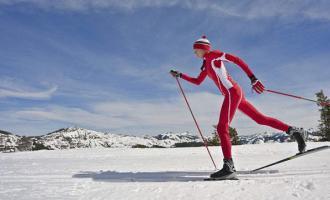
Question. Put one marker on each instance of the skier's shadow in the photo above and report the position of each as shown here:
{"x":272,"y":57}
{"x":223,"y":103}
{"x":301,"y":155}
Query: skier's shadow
{"x":166,"y":176}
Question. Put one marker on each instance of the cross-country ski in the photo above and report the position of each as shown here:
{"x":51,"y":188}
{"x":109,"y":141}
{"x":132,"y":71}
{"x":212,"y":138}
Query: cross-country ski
{"x":260,"y":171}
{"x":310,"y":151}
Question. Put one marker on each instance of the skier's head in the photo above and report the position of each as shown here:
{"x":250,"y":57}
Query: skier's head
{"x":201,"y":46}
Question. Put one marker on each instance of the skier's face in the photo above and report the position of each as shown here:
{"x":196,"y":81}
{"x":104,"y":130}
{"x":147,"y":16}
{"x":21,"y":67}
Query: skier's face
{"x":199,"y":53}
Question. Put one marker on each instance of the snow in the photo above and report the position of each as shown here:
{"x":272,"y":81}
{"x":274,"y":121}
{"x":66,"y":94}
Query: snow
{"x":170,"y":173}
{"x":84,"y":138}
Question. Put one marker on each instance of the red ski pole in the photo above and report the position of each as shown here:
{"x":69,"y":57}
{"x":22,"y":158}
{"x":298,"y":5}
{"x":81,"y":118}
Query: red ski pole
{"x":192,"y":114}
{"x":297,"y":97}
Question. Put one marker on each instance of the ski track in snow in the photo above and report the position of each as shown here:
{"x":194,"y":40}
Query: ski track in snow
{"x":172,"y":173}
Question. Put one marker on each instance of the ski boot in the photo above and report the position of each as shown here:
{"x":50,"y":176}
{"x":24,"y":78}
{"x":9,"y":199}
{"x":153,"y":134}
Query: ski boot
{"x":227,"y":172}
{"x":300,"y":135}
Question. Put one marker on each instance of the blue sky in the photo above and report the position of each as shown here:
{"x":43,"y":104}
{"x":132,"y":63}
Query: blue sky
{"x":104,"y":64}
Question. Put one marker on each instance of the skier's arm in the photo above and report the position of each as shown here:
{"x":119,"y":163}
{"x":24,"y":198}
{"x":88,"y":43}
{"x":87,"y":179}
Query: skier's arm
{"x":238,"y":61}
{"x":256,"y":84}
{"x":197,"y":80}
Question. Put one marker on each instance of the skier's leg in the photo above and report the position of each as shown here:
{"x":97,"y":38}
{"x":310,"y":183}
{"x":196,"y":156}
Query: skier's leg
{"x":223,"y":128}
{"x":247,"y":108}
{"x":299,"y":135}
{"x":228,"y":109}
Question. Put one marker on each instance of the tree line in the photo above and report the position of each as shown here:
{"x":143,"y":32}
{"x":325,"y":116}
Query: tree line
{"x":324,"y":122}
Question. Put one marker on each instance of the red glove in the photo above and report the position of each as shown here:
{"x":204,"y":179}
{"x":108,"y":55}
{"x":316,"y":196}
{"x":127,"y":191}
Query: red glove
{"x":257,"y":85}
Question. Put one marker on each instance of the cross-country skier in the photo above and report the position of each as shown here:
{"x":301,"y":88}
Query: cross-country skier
{"x":234,"y":98}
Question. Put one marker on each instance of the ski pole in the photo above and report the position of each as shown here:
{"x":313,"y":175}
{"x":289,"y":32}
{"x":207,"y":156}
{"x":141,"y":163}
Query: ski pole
{"x":192,"y":114}
{"x":297,"y":97}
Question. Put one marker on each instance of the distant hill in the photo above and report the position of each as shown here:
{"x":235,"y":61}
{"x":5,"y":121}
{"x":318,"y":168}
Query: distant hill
{"x":5,"y":132}
{"x":71,"y":138}
{"x":84,"y":138}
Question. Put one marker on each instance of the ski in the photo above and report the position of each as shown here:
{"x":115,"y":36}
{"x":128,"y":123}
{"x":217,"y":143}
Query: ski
{"x":314,"y":150}
{"x":260,"y":171}
{"x":244,"y":173}
{"x":220,"y":179}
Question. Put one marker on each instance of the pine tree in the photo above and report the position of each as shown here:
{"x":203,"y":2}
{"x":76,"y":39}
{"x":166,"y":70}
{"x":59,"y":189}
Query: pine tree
{"x":214,"y":141}
{"x":234,"y":136}
{"x":324,"y":126}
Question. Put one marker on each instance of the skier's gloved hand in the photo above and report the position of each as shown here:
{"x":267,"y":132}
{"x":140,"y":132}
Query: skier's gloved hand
{"x":176,"y":73}
{"x":257,"y":85}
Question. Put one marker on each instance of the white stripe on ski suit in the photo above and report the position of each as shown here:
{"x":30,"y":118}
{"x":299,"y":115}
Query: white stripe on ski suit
{"x":222,"y":75}
{"x":221,"y":72}
{"x":223,"y":58}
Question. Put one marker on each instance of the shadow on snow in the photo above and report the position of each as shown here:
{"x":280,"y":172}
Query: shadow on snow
{"x":166,"y":176}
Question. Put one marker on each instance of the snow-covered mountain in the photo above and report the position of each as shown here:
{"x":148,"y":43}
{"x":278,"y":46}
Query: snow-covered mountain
{"x":264,"y":138}
{"x":83,"y":138}
{"x":8,"y":141}
{"x":261,"y":138}
{"x":70,"y":138}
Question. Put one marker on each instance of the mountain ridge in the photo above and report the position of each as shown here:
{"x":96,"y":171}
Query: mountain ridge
{"x":75,"y":137}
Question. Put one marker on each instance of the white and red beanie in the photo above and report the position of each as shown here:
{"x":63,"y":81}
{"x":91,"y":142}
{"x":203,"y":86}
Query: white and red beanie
{"x":202,"y":43}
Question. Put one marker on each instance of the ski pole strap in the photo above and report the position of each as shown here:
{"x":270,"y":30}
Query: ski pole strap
{"x":193,"y":116}
{"x":298,"y":97}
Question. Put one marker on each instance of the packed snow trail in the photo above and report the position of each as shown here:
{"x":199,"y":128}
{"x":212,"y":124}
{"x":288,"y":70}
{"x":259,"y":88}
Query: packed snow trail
{"x":162,"y":174}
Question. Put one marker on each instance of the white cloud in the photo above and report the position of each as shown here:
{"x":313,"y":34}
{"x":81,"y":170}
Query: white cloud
{"x":120,"y":114}
{"x":83,"y":5}
{"x":150,"y":116}
{"x":24,"y":94}
{"x":303,"y":77}
{"x":153,"y":117}
{"x":246,"y":9}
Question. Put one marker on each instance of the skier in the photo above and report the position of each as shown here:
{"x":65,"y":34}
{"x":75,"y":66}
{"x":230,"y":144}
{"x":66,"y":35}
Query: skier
{"x":234,"y":98}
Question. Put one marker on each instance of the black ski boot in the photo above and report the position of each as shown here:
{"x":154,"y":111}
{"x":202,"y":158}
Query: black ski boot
{"x":300,"y":135}
{"x":227,"y":172}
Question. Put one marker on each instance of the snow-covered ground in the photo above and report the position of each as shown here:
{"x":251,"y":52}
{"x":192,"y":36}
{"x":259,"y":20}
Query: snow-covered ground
{"x":171,"y":173}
